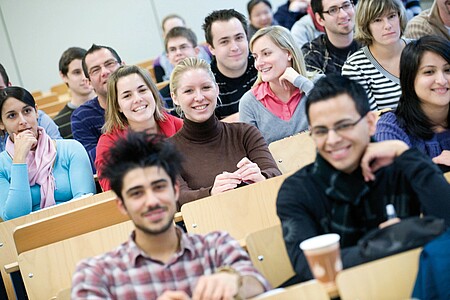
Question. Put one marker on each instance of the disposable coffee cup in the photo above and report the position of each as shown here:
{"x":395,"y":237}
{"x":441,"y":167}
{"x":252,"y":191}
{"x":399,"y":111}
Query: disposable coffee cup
{"x":323,"y":255}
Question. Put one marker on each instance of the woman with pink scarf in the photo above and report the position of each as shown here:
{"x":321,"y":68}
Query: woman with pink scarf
{"x":36,"y":171}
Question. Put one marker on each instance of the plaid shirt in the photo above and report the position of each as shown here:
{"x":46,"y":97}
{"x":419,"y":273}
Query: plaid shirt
{"x":128,"y":273}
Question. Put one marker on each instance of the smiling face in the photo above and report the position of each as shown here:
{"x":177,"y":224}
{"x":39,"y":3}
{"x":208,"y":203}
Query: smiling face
{"x":196,"y":94}
{"x":230,"y":46}
{"x":270,"y":60}
{"x":340,"y":24}
{"x":261,"y":15}
{"x":136,"y":101}
{"x":149,"y":198}
{"x":432,"y":82}
{"x":343,"y":151}
{"x":17,"y":117}
{"x":386,"y":28}
{"x":75,"y":79}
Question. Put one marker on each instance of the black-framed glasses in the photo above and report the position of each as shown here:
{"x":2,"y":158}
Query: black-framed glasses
{"x":334,"y":10}
{"x":341,"y":129}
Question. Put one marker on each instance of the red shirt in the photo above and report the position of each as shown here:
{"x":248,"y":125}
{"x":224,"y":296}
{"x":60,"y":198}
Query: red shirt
{"x":283,"y":110}
{"x":168,"y":127}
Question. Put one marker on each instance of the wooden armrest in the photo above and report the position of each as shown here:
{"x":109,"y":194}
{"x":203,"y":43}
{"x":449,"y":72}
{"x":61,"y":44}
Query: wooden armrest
{"x":178,"y":217}
{"x":12,"y":267}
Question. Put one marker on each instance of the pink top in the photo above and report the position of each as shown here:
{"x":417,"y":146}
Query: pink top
{"x":168,"y":127}
{"x":283,"y":110}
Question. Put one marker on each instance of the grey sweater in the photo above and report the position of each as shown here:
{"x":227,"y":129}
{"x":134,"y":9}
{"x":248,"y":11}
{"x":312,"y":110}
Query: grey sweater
{"x":253,"y":112}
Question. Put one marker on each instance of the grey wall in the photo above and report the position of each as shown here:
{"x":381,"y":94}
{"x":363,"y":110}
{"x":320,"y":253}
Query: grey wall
{"x":34,"y":33}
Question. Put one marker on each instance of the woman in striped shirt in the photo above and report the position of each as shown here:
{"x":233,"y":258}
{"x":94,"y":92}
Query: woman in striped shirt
{"x":380,"y":25}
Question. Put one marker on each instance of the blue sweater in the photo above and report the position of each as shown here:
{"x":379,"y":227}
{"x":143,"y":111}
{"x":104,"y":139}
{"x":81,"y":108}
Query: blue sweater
{"x":73,"y":178}
{"x":87,"y":121}
{"x":388,"y":128}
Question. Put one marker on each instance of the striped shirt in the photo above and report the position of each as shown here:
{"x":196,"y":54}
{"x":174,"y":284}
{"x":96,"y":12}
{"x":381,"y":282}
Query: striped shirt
{"x":383,"y":88}
{"x":128,"y":273}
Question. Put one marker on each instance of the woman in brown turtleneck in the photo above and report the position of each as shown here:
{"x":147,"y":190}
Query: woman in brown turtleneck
{"x":218,"y":156}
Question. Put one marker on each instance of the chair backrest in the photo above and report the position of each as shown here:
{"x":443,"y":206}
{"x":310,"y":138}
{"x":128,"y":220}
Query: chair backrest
{"x":59,"y":89}
{"x":66,"y":225}
{"x":63,"y":294}
{"x":294,"y":152}
{"x":8,"y":253}
{"x":269,"y":255}
{"x":47,"y":270}
{"x":239,"y":212}
{"x":52,"y":109}
{"x":46,"y":99}
{"x":391,"y":277}
{"x":312,"y":289}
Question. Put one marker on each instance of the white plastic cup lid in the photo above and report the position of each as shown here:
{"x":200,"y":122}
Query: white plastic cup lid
{"x":320,"y":241}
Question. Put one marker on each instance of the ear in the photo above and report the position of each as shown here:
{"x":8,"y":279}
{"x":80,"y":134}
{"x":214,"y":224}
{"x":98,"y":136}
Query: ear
{"x":174,"y":98}
{"x":63,"y":77}
{"x":2,"y":127}
{"x":121,"y":206}
{"x":319,"y":19}
{"x":176,"y":188}
{"x":212,"y":50}
{"x":372,"y":119}
{"x":197,"y":51}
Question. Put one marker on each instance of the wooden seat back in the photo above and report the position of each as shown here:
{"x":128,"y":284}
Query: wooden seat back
{"x":269,"y":255}
{"x":294,"y":152}
{"x":239,"y":212}
{"x":306,"y":290}
{"x":47,"y":270}
{"x":388,"y":278}
{"x":59,"y":89}
{"x":8,"y":252}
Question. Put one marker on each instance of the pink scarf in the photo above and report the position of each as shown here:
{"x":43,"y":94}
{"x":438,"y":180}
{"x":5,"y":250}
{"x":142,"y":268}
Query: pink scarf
{"x":40,"y":165}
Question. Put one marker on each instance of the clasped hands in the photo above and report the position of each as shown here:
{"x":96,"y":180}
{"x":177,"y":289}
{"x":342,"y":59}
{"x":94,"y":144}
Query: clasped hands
{"x":247,"y":172}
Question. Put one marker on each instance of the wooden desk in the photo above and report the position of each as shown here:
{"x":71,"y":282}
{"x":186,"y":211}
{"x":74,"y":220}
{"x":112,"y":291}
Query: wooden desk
{"x":8,"y":253}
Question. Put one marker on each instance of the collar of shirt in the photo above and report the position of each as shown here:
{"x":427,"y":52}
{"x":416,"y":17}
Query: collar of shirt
{"x":135,"y":253}
{"x":283,"y":110}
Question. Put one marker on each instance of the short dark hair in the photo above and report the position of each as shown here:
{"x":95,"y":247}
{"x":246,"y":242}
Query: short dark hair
{"x":409,"y":112}
{"x":16,"y":92}
{"x":94,"y":48}
{"x":68,"y":56}
{"x":181,"y":32}
{"x":171,"y":16}
{"x":317,"y":7}
{"x":334,"y":85}
{"x":252,"y":3}
{"x":221,"y":15}
{"x":4,"y":74}
{"x":139,"y":150}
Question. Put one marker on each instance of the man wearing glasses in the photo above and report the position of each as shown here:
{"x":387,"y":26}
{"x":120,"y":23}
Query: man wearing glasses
{"x":353,"y":178}
{"x":98,"y":64}
{"x":327,"y":53}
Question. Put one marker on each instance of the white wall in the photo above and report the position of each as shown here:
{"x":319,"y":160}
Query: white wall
{"x":40,"y":30}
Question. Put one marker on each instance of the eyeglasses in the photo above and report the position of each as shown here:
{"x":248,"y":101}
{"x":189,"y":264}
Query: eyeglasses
{"x":182,"y":48}
{"x":341,"y":129}
{"x":109,"y":65}
{"x":334,"y":10}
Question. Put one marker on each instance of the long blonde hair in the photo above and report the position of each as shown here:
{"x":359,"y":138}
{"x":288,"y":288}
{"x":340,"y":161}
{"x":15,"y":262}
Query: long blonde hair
{"x":113,"y":117}
{"x":281,"y":37}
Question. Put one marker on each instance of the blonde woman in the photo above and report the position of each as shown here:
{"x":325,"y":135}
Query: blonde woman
{"x":276,"y":103}
{"x":218,"y":156}
{"x":133,"y":103}
{"x":379,"y":26}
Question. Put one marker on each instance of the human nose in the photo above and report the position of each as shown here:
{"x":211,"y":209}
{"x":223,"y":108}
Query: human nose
{"x":442,"y":78}
{"x":333,"y":137}
{"x":22,"y":119}
{"x":198,"y":95}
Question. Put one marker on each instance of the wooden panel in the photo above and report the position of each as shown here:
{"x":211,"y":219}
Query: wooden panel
{"x":310,"y":290}
{"x":8,"y":253}
{"x":59,"y":89}
{"x":294,"y":152}
{"x":46,"y":99}
{"x":392,"y":277}
{"x":239,"y":212}
{"x":66,"y":225}
{"x":269,"y":255}
{"x":447,"y":176}
{"x":49,"y":269}
{"x":52,"y":109}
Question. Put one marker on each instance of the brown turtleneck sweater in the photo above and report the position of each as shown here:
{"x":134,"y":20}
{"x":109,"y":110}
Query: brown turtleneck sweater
{"x":213,"y":147}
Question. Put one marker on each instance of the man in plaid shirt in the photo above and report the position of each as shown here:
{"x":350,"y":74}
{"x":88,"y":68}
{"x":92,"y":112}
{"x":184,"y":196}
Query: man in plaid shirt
{"x":160,"y":261}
